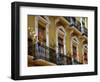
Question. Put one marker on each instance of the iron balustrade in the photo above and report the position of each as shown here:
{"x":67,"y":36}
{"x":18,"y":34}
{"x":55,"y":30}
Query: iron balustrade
{"x":85,"y":31}
{"x":61,"y":59}
{"x":45,"y":53}
{"x":77,"y":25}
{"x":74,"y":22}
{"x":74,"y":61}
{"x":50,"y":55}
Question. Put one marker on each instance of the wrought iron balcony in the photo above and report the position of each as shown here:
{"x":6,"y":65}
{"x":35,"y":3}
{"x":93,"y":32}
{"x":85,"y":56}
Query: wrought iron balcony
{"x":61,"y":59}
{"x":45,"y":53}
{"x":50,"y":55}
{"x":85,"y":31}
{"x":67,"y":18}
{"x":75,"y":62}
{"x":74,"y":22}
{"x":77,"y":25}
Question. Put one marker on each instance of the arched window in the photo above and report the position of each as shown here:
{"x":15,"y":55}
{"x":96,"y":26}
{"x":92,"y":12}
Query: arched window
{"x":42,"y":31}
{"x":85,"y":54}
{"x":61,"y":45}
{"x":61,"y":40}
{"x":74,"y":47}
{"x":42,"y":40}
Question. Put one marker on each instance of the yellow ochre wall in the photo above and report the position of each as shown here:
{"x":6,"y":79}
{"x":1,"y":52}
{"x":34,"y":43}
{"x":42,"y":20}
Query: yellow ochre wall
{"x":52,"y":32}
{"x":52,"y":35}
{"x":31,"y":22}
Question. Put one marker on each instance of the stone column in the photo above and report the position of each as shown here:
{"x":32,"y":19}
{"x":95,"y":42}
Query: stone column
{"x":68,"y":46}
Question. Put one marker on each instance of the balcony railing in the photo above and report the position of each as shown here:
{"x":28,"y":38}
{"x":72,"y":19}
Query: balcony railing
{"x":50,"y":55}
{"x":67,"y":18}
{"x":45,"y":53}
{"x":77,"y":25}
{"x":85,"y":31}
{"x":62,"y":59}
{"x":75,"y":62}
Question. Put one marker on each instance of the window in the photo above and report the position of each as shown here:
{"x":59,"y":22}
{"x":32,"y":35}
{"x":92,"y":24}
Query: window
{"x":41,"y":29}
{"x":83,"y":21}
{"x":61,"y":46}
{"x":72,"y":21}
{"x":85,"y":55}
{"x":61,"y":35}
{"x":41,"y":34}
{"x":75,"y":50}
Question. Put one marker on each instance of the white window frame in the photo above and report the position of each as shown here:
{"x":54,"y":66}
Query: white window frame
{"x":64,"y":32}
{"x":37,"y":18}
{"x":76,"y":43}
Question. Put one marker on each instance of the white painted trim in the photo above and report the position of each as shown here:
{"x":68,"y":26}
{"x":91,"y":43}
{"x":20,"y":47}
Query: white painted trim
{"x":37,"y":18}
{"x":47,"y":32}
{"x":46,"y":20}
{"x":81,"y":24}
{"x":85,"y":22}
{"x":56,"y":40}
{"x":77,"y":43}
{"x":57,"y":30}
{"x":36,"y":27}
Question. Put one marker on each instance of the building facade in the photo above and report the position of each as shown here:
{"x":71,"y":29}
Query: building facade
{"x":57,"y":40}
